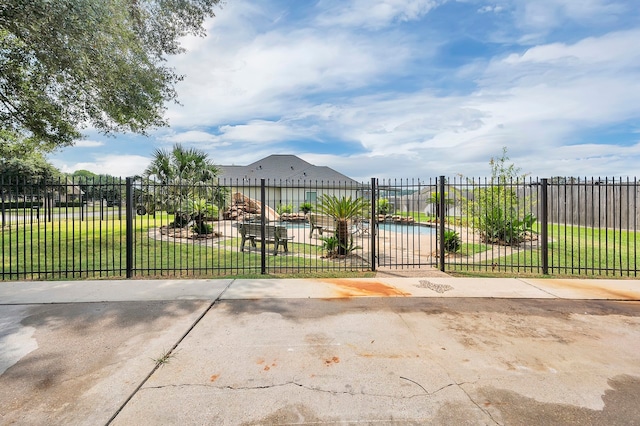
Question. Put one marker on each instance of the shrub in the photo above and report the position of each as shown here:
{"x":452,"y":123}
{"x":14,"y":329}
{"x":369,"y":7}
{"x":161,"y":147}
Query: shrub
{"x":451,"y":241}
{"x":180,"y":220}
{"x":202,"y":228}
{"x":306,"y":207}
{"x":284,"y":208}
{"x":496,"y":210}
{"x":384,"y":206}
{"x":330,"y":245}
{"x":495,"y":214}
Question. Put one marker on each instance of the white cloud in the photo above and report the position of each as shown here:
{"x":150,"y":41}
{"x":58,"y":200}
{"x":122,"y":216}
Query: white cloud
{"x":614,"y":50}
{"x":258,"y":83}
{"x":535,"y":110}
{"x":88,"y":144}
{"x":491,"y":9}
{"x":190,"y":136}
{"x":115,"y":165}
{"x":544,"y":15}
{"x":260,"y":131}
{"x":274,"y":71}
{"x":356,"y":13}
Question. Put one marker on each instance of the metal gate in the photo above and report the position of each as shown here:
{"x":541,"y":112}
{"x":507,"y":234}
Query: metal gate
{"x":407,"y":224}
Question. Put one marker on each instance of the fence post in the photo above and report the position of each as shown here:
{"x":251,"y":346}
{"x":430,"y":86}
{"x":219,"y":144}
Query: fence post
{"x":373,"y":222}
{"x":263,"y":251}
{"x":544,"y":235}
{"x":129,"y":226}
{"x":2,"y":209}
{"x":441,"y":220}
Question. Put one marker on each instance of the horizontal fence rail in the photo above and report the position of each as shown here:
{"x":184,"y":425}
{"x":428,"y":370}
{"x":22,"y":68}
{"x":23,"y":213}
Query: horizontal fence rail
{"x":405,"y":228}
{"x":56,"y":230}
{"x":134,"y":227}
{"x":560,"y":226}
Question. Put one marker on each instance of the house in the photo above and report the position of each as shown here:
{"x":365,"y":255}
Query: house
{"x":289,"y":181}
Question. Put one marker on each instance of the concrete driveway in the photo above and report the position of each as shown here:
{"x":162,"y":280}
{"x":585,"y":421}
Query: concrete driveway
{"x":343,"y":351}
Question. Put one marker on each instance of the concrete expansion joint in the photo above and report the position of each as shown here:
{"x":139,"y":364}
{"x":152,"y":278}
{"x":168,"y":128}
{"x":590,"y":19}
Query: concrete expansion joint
{"x":538,"y":288}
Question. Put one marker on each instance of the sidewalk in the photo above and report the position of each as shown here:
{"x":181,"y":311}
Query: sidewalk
{"x":385,"y":350}
{"x":42,"y":292}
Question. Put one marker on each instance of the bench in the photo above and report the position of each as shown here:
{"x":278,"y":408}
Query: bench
{"x":322,"y":223}
{"x":274,"y":234}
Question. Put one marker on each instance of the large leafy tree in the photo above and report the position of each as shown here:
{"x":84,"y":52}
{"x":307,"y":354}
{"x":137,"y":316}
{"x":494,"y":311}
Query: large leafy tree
{"x":69,"y":64}
{"x":99,"y":186}
{"x":23,"y":162}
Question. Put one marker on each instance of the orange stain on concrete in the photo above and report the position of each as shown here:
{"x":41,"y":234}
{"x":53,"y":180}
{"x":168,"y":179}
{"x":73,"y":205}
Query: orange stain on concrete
{"x":351,"y":288}
{"x":334,"y":360}
{"x":593,"y":289}
{"x":214,"y":377}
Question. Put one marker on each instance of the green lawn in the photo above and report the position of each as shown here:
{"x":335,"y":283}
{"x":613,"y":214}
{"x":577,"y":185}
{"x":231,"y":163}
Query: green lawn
{"x":573,"y":250}
{"x":94,"y":248}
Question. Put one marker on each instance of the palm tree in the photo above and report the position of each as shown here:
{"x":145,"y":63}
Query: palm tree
{"x":180,"y":175}
{"x":342,"y":210}
{"x":185,"y":165}
{"x":434,"y":198}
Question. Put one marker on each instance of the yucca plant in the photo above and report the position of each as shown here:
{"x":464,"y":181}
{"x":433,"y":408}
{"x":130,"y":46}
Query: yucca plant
{"x":200,"y":210}
{"x":342,"y":209}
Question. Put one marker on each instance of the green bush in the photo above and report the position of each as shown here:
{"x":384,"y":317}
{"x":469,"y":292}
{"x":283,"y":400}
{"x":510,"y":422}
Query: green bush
{"x":452,"y":242}
{"x":202,"y":228}
{"x":306,"y":207}
{"x":180,"y":220}
{"x":502,"y":226}
{"x":496,"y":212}
{"x":384,"y":206}
{"x":284,"y":208}
{"x":330,"y":245}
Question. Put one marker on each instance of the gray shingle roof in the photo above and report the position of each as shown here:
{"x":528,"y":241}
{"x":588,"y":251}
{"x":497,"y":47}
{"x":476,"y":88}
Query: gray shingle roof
{"x":286,"y":168}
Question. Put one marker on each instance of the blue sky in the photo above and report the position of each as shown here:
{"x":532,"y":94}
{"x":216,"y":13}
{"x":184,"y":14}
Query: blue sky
{"x":403,"y":89}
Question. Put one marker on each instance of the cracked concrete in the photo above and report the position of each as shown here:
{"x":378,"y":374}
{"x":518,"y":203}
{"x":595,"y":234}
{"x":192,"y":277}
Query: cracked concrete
{"x":391,"y":361}
{"x":332,"y":352}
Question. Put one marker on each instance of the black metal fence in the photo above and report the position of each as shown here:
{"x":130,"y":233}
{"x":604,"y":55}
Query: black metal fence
{"x":545,"y":226}
{"x":128,"y":228}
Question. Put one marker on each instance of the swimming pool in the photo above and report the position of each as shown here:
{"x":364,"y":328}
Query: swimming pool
{"x":411,"y":229}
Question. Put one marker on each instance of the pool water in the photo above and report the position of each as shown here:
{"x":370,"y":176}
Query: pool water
{"x":411,"y":229}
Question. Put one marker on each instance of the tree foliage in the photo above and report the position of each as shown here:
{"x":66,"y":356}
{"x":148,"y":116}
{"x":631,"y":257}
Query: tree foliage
{"x":176,"y":177}
{"x":103,"y":187}
{"x":23,"y":161}
{"x":181,"y":165}
{"x":495,"y":210}
{"x":434,"y":199}
{"x":69,"y":64}
{"x":342,"y":209}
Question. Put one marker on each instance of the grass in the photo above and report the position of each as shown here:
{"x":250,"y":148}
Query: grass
{"x":585,"y":251}
{"x":470,"y":249}
{"x":573,"y":250}
{"x":164,"y":359}
{"x":93,"y":248}
{"x":417,"y":216}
